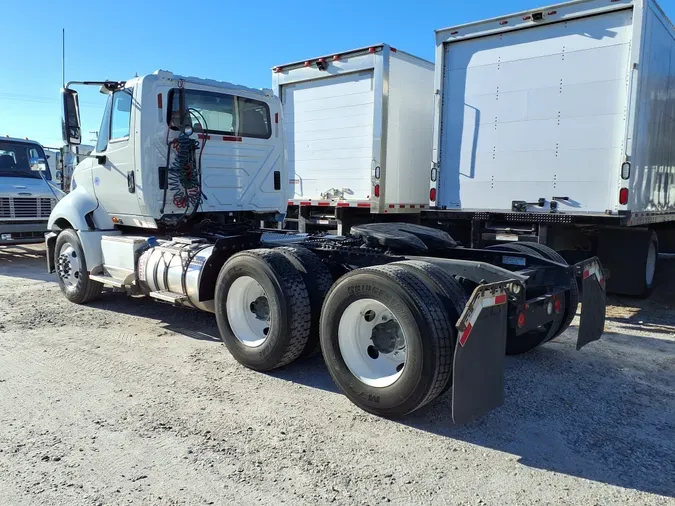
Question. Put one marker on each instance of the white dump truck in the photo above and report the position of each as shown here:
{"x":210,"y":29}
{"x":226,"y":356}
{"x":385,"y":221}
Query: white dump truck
{"x":555,"y":125}
{"x":27,"y":194}
{"x":168,"y":206}
{"x":358,"y":128}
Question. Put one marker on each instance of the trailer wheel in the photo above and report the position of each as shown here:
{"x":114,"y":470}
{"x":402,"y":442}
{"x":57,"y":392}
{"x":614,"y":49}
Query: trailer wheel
{"x":448,"y":289}
{"x":262,"y":309}
{"x":519,"y":344}
{"x":571,"y":296}
{"x":318,"y":280}
{"x":387,"y":339}
{"x":71,"y":268}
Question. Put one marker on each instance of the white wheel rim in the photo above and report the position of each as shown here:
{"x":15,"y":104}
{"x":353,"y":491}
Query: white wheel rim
{"x":248,"y":311}
{"x":372,"y":343}
{"x":68,"y":265}
{"x":651,"y":263}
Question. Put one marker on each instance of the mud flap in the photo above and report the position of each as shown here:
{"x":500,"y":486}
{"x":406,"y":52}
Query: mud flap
{"x":594,"y":302}
{"x":478,"y":369}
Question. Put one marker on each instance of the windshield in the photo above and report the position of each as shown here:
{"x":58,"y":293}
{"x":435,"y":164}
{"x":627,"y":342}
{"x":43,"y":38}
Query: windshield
{"x":15,"y":159}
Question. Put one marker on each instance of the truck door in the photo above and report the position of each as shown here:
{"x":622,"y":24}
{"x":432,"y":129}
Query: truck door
{"x":114,"y":177}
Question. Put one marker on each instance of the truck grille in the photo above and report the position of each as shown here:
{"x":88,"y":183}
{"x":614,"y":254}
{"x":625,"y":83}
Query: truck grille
{"x":25,"y":207}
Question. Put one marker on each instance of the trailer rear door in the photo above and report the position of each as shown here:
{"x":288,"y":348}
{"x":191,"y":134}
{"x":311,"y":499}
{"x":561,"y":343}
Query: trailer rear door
{"x":329,"y":128}
{"x":536,"y":112}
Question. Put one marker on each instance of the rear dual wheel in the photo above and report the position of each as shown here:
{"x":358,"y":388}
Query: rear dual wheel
{"x":267,"y":304}
{"x":388,"y":337}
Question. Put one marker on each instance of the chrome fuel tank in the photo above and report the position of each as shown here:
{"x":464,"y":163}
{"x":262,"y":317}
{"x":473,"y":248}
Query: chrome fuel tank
{"x":176,"y":266}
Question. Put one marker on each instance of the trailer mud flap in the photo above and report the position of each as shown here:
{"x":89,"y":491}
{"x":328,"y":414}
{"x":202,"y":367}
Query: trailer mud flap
{"x":478,"y":369}
{"x":594,"y":302}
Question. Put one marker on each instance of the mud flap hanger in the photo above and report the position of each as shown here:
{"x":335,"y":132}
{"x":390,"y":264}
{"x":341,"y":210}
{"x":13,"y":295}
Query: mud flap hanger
{"x":594,"y":301}
{"x":478,"y":366}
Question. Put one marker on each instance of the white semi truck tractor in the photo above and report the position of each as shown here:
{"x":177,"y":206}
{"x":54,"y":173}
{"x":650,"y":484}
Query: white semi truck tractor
{"x":169,"y":205}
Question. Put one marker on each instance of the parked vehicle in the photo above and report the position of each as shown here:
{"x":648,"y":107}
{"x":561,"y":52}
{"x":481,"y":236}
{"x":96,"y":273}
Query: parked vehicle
{"x":555,"y":125}
{"x":170,"y":209}
{"x":27,"y":195}
{"x":358,"y":128}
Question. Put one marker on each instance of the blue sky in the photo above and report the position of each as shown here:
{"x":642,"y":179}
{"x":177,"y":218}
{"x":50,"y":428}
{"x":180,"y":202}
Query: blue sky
{"x":214,"y":39}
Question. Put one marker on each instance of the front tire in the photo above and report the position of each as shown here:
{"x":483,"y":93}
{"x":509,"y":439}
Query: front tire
{"x":387,"y":340}
{"x":71,"y":269}
{"x":262,"y":308}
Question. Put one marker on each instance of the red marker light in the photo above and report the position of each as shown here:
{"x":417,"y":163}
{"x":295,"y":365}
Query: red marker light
{"x":521,"y":320}
{"x":432,"y":195}
{"x":623,"y":196}
{"x":557,"y":305}
{"x":376,"y":191}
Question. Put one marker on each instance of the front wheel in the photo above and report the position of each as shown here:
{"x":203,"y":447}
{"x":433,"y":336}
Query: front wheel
{"x":71,"y":268}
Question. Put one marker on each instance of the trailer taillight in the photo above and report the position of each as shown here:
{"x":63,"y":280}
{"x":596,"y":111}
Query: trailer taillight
{"x":376,"y":190}
{"x":623,"y":196}
{"x":432,"y":194}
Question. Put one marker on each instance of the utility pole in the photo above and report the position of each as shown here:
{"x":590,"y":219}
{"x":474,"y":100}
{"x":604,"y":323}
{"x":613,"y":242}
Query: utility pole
{"x":63,"y":57}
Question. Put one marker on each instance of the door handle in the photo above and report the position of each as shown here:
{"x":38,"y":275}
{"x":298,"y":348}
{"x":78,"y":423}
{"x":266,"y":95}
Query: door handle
{"x":101,"y":159}
{"x":131,"y":181}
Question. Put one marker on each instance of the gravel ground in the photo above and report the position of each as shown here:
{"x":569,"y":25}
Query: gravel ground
{"x":133,"y":402}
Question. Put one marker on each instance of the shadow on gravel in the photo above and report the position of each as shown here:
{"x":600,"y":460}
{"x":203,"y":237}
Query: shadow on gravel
{"x":26,"y":262}
{"x":603,"y":414}
{"x":188,"y":322}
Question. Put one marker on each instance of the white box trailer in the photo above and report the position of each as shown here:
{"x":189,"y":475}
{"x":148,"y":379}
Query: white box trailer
{"x":359,"y":130}
{"x":555,"y":123}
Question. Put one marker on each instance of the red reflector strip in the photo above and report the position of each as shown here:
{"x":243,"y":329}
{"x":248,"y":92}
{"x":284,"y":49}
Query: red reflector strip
{"x":306,"y":203}
{"x":324,"y":204}
{"x":391,"y":206}
{"x":290,"y":203}
{"x":465,"y":335}
{"x":203,"y":136}
{"x":231,"y":138}
{"x":343,"y":204}
{"x":587,"y":273}
{"x":500,"y":299}
{"x":363,"y":204}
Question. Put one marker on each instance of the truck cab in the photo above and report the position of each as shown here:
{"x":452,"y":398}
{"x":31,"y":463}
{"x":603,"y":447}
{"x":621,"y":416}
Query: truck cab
{"x":27,"y":194}
{"x":152,"y":127}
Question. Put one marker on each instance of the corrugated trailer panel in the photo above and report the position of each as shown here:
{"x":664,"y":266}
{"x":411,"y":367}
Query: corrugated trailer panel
{"x":410,"y":127}
{"x":652,"y":181}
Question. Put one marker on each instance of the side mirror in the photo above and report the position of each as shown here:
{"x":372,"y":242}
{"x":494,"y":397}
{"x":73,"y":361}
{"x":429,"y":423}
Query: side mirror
{"x":72,"y":134}
{"x":59,"y":176}
{"x":38,"y":164}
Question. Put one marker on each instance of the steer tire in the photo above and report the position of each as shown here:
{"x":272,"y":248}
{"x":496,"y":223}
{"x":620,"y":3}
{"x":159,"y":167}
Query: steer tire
{"x":424,"y":322}
{"x":85,"y":290}
{"x":318,"y":280}
{"x":448,"y":289}
{"x":523,"y":343}
{"x":288,"y":306}
{"x":571,"y":296}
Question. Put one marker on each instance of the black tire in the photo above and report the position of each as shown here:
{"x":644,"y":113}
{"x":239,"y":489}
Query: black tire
{"x":84,"y":289}
{"x":519,"y":344}
{"x":571,"y":296}
{"x":318,"y":281}
{"x":425,"y":324}
{"x":626,"y":253}
{"x":448,"y":289}
{"x":288,"y":306}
